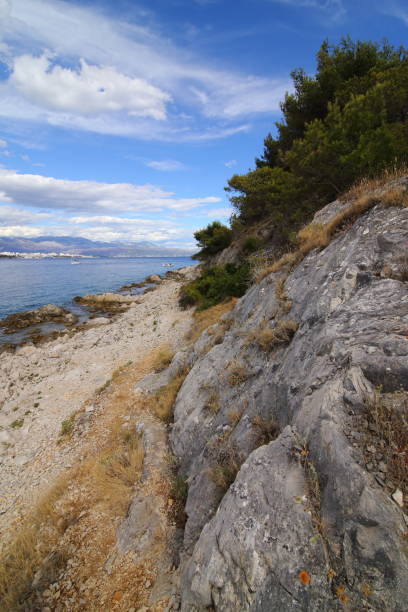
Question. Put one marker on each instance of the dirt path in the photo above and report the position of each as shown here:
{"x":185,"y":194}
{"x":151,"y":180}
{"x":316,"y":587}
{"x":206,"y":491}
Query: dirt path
{"x":42,"y":387}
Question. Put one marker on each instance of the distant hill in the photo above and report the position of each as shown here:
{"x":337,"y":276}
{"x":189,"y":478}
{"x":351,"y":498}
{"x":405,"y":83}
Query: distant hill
{"x":83,"y":246}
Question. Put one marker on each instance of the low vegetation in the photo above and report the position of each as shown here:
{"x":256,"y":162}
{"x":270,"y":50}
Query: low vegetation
{"x":237,"y":373}
{"x":203,"y":319}
{"x":215,"y":285}
{"x":163,"y":359}
{"x":251,"y":244}
{"x":36,"y":550}
{"x":161,"y":402}
{"x":179,"y":488}
{"x":268,"y":338}
{"x":17,"y":423}
{"x":387,"y":430}
{"x":213,"y":403}
{"x":226,"y":466}
{"x":319,"y":235}
{"x":266,"y":429}
{"x":67,"y":426}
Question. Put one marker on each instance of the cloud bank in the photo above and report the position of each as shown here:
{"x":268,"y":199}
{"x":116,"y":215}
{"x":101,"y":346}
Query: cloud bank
{"x":86,"y":70}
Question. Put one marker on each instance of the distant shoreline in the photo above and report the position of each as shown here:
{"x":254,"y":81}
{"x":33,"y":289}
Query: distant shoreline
{"x":49,"y":329}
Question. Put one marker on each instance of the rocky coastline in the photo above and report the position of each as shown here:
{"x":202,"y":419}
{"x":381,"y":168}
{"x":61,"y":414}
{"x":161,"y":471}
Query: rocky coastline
{"x":43,"y":382}
{"x":96,"y":309}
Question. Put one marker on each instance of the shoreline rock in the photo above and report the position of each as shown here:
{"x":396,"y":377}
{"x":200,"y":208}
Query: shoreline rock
{"x":45,"y":314}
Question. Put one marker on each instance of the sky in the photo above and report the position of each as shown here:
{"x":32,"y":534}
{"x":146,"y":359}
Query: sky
{"x":124,"y":120}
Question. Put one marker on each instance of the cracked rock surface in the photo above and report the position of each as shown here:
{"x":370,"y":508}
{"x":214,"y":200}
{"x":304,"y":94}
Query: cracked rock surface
{"x":301,"y":524}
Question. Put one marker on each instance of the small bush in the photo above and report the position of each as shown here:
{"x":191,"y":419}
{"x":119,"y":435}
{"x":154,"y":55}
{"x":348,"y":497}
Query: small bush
{"x":67,"y":426}
{"x":252,"y":244}
{"x":215,"y":285}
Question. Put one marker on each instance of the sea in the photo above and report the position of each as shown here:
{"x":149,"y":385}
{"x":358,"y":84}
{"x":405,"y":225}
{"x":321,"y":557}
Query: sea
{"x":27,"y":284}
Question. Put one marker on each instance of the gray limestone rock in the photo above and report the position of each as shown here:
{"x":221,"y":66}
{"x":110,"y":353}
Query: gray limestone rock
{"x":319,"y":512}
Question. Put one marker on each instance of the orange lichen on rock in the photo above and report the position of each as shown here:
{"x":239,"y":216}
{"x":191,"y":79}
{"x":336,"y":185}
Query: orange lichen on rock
{"x":304,"y":577}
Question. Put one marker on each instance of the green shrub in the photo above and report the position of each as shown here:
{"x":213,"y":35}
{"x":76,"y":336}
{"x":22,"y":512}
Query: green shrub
{"x":212,"y":239}
{"x":252,"y":244}
{"x":215,"y":285}
{"x":346,"y":122}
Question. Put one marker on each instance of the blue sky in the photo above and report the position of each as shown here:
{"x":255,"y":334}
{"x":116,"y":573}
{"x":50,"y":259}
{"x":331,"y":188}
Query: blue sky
{"x":124,"y":120}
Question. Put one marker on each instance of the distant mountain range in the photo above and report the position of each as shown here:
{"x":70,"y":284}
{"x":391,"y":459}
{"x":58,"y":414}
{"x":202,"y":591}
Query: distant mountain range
{"x":83,"y":246}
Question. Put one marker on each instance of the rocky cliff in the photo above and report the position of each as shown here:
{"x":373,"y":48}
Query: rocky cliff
{"x":290,"y":429}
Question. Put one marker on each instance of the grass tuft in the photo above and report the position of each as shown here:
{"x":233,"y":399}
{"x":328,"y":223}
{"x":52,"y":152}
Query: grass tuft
{"x":163,"y":400}
{"x":213,"y":403}
{"x":267,"y":430}
{"x":237,"y":374}
{"x":205,"y":318}
{"x":163,"y":359}
{"x":268,"y":338}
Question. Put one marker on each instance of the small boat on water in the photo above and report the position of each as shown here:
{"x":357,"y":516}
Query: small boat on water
{"x":167,"y":265}
{"x":75,"y":261}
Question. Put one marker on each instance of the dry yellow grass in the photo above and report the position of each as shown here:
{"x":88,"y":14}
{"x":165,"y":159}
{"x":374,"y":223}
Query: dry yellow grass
{"x":234,"y":417}
{"x":280,"y":288}
{"x":28,"y":546}
{"x":208,"y":317}
{"x":237,"y":374}
{"x":101,"y":485}
{"x":318,"y":235}
{"x":267,"y":429}
{"x":213,"y":403}
{"x":268,"y":338}
{"x":161,"y":402}
{"x":163,"y":358}
{"x":367,"y":185}
{"x":395,"y":197}
{"x":288,"y":260}
{"x":117,"y":470}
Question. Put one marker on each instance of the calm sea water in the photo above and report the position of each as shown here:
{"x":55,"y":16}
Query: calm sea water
{"x":26,"y":284}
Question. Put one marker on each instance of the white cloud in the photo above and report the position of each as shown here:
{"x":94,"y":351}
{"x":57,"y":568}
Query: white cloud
{"x":394,"y":10}
{"x":12,"y":215}
{"x":3,"y":144}
{"x":60,"y":194}
{"x":20,"y":231}
{"x":231,"y":163}
{"x":219,"y":212}
{"x":148,"y":82}
{"x":166,"y":165}
{"x":88,"y":90}
{"x":334,"y":8}
{"x":21,"y":222}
